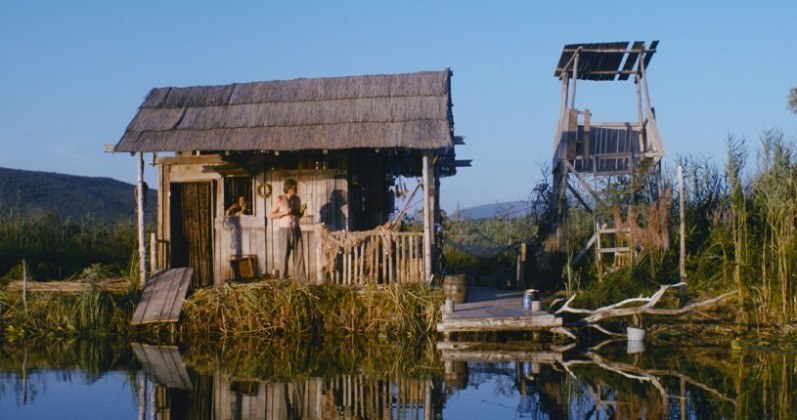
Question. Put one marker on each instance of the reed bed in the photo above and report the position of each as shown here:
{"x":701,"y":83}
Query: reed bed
{"x":741,"y":219}
{"x":289,"y":308}
{"x":92,"y":313}
{"x":56,"y":249}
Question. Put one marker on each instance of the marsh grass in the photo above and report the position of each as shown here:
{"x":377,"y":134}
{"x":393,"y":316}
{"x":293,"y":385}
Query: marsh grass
{"x":55,"y":249}
{"x":273,"y":308}
{"x":741,"y":223}
{"x":93,"y":313}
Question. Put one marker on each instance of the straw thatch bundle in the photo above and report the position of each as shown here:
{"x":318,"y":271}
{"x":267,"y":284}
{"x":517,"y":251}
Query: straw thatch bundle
{"x":379,"y":111}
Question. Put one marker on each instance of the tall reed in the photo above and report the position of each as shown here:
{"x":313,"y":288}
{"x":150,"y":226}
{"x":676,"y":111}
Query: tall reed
{"x":276,"y":308}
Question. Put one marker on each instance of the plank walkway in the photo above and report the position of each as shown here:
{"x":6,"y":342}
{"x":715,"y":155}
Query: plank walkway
{"x":163,"y":296}
{"x":163,"y":364}
{"x":489,"y":309}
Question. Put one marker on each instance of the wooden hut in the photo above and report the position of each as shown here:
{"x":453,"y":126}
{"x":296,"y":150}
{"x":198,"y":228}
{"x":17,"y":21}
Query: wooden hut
{"x":346,"y":140}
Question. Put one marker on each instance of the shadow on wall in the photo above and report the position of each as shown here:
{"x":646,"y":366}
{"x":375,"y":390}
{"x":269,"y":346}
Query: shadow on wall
{"x":332,"y":214}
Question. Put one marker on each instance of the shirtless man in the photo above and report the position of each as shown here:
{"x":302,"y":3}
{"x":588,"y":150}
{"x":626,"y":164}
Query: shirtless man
{"x":288,"y":210}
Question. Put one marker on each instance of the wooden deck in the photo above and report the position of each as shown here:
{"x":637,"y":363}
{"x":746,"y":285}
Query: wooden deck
{"x":490,"y":309}
{"x":163,"y":296}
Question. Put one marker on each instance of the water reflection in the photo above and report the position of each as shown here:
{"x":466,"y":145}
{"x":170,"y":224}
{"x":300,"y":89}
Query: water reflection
{"x":252,"y":379}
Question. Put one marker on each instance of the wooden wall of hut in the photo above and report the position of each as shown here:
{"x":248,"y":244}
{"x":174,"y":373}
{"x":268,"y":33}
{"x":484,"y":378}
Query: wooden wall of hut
{"x":351,"y":195}
{"x":325,"y":192}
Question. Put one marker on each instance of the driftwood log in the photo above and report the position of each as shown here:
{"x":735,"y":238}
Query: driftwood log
{"x":620,"y":309}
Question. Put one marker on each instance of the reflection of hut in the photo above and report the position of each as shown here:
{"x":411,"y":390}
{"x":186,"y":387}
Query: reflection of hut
{"x":345,"y":140}
{"x":341,"y":396}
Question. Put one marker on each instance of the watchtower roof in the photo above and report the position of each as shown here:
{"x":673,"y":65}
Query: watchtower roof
{"x":605,"y":61}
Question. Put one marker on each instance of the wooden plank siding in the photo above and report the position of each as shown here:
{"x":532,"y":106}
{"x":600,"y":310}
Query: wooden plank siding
{"x":325,"y":193}
{"x":375,"y":256}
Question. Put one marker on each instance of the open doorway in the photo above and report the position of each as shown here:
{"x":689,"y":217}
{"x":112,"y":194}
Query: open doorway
{"x":192,"y":229}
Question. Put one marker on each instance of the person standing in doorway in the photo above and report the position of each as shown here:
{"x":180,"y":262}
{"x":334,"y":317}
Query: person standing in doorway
{"x":288,"y":210}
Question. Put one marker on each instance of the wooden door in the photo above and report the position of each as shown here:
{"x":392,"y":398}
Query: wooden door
{"x":192,"y":229}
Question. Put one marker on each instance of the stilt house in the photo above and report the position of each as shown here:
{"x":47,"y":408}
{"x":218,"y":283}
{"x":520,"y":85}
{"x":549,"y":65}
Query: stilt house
{"x":348,"y":141}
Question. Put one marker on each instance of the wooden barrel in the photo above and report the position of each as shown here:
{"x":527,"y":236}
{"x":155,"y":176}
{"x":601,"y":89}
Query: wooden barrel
{"x":454,"y":288}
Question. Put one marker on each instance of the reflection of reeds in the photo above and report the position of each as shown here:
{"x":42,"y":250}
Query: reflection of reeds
{"x":295,"y":358}
{"x":273,"y":308}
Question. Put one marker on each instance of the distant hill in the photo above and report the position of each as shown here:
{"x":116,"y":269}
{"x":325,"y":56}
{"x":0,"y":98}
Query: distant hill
{"x":485,"y":211}
{"x":69,"y":196}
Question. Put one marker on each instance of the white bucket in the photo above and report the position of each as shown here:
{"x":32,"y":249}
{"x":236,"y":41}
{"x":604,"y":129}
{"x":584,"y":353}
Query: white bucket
{"x":635,"y":334}
{"x":635,"y":347}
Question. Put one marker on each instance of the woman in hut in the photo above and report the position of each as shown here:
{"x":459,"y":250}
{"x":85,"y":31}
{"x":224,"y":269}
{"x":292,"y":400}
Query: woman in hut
{"x":288,"y":210}
{"x":239,"y":208}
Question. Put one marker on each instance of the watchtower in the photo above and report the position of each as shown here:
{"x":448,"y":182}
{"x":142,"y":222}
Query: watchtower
{"x":591,"y":158}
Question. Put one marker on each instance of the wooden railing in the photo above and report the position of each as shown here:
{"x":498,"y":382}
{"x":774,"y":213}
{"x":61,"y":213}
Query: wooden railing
{"x":376,"y":256}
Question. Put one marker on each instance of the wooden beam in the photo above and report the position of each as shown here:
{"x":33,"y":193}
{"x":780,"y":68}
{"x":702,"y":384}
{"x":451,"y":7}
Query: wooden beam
{"x":575,"y":78}
{"x":586,"y":248}
{"x":682,"y":231}
{"x":579,"y":198}
{"x":189,"y":159}
{"x":581,"y":180}
{"x":610,"y":50}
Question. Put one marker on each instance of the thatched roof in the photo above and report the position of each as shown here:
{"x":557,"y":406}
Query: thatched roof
{"x":381,"y":111}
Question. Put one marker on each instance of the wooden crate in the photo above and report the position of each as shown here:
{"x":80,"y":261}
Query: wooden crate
{"x":244,"y":268}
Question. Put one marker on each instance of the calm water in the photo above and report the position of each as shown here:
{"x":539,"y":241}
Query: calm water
{"x":342,"y":378}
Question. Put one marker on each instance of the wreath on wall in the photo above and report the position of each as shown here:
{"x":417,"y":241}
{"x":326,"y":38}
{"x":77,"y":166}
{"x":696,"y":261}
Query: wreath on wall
{"x":264,"y":190}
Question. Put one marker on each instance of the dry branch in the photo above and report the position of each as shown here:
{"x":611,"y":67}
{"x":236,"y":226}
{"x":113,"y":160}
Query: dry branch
{"x":619,"y":310}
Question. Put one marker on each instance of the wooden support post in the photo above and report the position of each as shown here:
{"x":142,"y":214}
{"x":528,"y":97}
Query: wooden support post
{"x":682,"y":259}
{"x":427,"y":218}
{"x":521,"y":266}
{"x":319,"y":269}
{"x":575,"y":78}
{"x":153,"y":252}
{"x":25,"y":286}
{"x":585,"y":146}
{"x":142,"y":251}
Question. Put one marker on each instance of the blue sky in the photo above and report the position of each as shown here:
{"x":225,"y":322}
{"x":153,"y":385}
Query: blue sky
{"x":74,"y":73}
